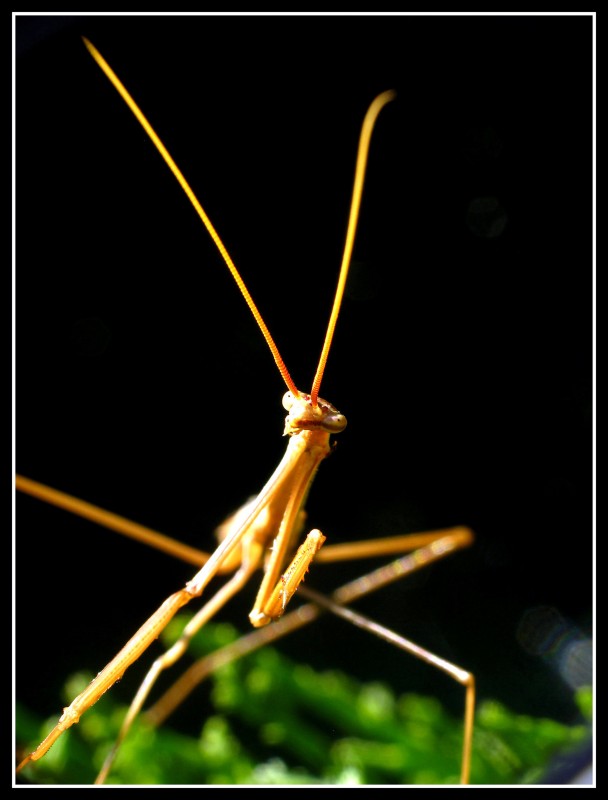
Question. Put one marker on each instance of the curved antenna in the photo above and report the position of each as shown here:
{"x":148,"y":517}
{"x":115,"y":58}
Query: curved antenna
{"x":362,"y":153}
{"x":120,"y":88}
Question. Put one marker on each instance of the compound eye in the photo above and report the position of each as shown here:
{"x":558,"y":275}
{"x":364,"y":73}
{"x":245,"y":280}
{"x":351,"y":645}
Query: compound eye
{"x":288,"y":401}
{"x":334,"y":423}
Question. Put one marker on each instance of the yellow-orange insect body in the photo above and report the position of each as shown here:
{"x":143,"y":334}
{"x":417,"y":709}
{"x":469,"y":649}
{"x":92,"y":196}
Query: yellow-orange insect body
{"x":265,"y":531}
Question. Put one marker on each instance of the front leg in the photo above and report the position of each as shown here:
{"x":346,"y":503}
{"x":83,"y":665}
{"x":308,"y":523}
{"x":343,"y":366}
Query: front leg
{"x":273,"y":607}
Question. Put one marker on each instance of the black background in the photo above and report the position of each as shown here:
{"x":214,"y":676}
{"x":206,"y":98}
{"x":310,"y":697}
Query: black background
{"x":463,"y":353}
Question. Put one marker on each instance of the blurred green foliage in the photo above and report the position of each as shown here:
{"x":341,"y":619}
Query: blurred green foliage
{"x":319,"y":728}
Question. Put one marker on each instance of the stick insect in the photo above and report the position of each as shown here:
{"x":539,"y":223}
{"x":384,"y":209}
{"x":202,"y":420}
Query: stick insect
{"x":265,"y":531}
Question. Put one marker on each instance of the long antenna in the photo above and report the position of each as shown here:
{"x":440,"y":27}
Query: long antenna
{"x":364,"y":142}
{"x":362,"y":153}
{"x":122,"y":91}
